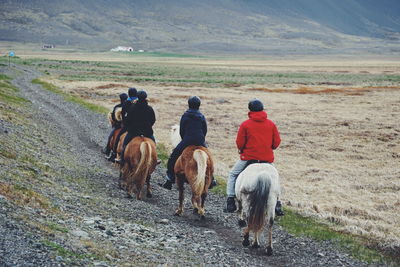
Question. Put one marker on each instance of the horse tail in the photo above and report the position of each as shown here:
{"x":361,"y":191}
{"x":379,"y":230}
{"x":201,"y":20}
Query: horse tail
{"x":257,"y":203}
{"x":144,"y":164}
{"x":201,"y":159}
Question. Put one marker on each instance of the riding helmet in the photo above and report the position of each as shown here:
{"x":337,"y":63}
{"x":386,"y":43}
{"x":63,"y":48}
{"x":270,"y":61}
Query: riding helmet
{"x":142,"y":95}
{"x":123,"y":97}
{"x":256,"y":105}
{"x":132,"y":92}
{"x":194,"y":102}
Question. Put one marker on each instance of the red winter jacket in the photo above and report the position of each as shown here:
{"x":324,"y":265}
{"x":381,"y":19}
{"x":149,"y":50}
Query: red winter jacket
{"x":257,"y":137}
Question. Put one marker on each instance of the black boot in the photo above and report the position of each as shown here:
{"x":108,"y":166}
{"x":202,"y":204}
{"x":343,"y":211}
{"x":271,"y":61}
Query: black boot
{"x":213,"y":183}
{"x":112,"y":156}
{"x":278,"y":209}
{"x":230,"y":204}
{"x":167,"y":184}
{"x":106,"y":150}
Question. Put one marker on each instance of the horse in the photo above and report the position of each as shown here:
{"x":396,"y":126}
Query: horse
{"x":175,"y":135}
{"x":257,"y":190}
{"x":194,"y":166}
{"x":140,"y":161}
{"x":118,"y":119}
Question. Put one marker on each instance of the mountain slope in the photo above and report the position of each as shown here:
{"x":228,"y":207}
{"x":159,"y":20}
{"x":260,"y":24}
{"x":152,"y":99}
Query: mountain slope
{"x":257,"y":26}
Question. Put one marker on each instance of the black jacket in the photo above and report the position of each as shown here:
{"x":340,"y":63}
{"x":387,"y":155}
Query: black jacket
{"x":125,"y":108}
{"x":193,"y":127}
{"x":140,"y":119}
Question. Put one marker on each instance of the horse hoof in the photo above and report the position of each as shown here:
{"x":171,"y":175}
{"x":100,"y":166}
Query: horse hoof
{"x":255,"y":245}
{"x":149,"y":195}
{"x":195,"y":210}
{"x":246,"y":243}
{"x":242,"y":223}
{"x":269,"y":251}
{"x":130,"y":196}
{"x":202,"y":218}
{"x":177,"y":214}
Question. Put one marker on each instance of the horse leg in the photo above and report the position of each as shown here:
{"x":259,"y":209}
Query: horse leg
{"x":139,"y":191}
{"x":269,"y":248}
{"x":246,"y":241}
{"x":180,"y":182}
{"x":255,"y":242}
{"x":195,"y":200}
{"x":149,"y":191}
{"x":242,"y":221}
{"x":202,"y":211}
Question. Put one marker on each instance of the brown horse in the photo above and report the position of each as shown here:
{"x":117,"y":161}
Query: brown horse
{"x":140,"y":161}
{"x":195,"y":166}
{"x":118,"y":117}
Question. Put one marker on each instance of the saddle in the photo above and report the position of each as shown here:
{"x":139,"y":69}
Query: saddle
{"x":252,"y":161}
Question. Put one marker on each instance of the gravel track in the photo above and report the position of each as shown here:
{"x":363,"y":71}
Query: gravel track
{"x":122,"y":230}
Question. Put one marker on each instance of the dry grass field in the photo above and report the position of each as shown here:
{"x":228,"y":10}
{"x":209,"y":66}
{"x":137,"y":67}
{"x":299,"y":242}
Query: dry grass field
{"x":339,"y":120}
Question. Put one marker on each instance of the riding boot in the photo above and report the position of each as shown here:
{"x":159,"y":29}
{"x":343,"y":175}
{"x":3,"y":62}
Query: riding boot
{"x":106,"y":150}
{"x":278,"y":209}
{"x":169,"y":181}
{"x":112,"y":156}
{"x":231,"y":204}
{"x":213,"y":183}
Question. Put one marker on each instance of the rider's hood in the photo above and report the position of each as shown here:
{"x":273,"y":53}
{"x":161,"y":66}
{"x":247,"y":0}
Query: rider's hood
{"x":257,"y":115}
{"x":194,"y":114}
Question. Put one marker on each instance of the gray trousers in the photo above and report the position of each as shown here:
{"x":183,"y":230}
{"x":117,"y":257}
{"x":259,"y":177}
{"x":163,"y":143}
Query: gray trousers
{"x":233,"y":174}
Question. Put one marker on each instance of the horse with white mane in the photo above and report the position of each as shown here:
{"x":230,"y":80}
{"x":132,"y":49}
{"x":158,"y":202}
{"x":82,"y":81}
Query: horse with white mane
{"x":257,"y":190}
{"x":194,"y":166}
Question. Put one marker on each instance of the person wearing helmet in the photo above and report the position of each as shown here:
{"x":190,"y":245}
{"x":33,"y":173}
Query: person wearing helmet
{"x":193,"y":131}
{"x":116,"y":124}
{"x":132,"y":93}
{"x":139,"y":121}
{"x":256,"y":139}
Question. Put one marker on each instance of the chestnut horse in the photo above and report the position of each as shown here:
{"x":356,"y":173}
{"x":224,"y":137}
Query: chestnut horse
{"x":140,"y":161}
{"x":118,"y":117}
{"x":195,"y":166}
{"x":257,"y":190}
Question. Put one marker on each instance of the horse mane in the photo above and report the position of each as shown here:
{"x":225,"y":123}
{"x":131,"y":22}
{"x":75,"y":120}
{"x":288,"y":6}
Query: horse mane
{"x":201,"y":159}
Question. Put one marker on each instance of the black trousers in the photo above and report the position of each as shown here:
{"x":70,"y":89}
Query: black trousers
{"x":174,"y":157}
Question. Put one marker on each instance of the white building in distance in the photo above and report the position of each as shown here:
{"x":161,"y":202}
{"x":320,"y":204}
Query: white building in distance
{"x":122,"y":48}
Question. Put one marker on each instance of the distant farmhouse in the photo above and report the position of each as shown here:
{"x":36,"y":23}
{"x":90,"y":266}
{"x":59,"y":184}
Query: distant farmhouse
{"x":122,"y":48}
{"x":45,"y":46}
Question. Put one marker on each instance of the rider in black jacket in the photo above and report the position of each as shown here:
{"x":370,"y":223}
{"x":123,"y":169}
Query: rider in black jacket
{"x":193,"y":131}
{"x":117,"y":124}
{"x":132,"y":92}
{"x":140,"y":121}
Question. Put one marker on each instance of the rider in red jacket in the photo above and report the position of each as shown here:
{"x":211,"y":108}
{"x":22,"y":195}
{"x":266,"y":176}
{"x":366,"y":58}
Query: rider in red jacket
{"x":256,"y":139}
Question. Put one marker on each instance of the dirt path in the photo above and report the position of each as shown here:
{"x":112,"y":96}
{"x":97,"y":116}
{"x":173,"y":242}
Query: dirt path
{"x":109,"y":229}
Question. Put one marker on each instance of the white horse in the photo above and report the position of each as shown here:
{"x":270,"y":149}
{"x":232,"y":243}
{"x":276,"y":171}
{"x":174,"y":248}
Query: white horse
{"x":257,"y":191}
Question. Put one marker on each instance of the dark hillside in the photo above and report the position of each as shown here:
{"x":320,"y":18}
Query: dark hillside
{"x":272,"y":26}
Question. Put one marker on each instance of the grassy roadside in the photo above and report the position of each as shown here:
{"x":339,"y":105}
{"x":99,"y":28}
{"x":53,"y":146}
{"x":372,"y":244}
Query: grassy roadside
{"x":71,"y":98}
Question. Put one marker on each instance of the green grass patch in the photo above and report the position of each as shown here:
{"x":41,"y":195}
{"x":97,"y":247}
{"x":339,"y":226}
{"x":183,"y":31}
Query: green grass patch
{"x":220,"y":189}
{"x":57,"y":227}
{"x":356,"y":246}
{"x":162,"y":154}
{"x":71,"y":98}
{"x":61,"y":251}
{"x":4,"y":77}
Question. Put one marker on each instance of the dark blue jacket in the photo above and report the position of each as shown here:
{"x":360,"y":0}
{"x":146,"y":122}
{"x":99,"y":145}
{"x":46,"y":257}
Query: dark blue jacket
{"x":193,"y":127}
